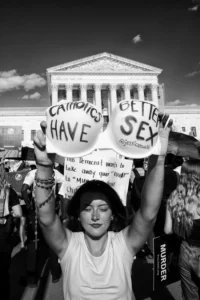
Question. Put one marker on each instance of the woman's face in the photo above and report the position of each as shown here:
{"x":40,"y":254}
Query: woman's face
{"x":95,"y":214}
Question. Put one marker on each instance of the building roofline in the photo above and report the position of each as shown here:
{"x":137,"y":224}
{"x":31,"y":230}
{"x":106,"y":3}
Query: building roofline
{"x":101,"y":55}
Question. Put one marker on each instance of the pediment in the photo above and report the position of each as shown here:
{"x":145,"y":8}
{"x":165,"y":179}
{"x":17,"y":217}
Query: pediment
{"x":105,"y":63}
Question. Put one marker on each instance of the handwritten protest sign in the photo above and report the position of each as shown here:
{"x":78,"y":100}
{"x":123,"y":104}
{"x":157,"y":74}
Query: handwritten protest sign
{"x":73,"y":128}
{"x":133,"y":129}
{"x":115,"y":172}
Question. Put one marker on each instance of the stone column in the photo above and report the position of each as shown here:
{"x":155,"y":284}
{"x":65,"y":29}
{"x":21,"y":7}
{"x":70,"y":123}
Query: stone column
{"x":161,"y":96}
{"x":54,"y":94}
{"x":127,"y":93}
{"x":69,"y":89}
{"x":27,"y":134}
{"x":141,"y":92}
{"x":113,"y":97}
{"x":97,"y":89}
{"x":154,"y":91}
{"x":84,"y":92}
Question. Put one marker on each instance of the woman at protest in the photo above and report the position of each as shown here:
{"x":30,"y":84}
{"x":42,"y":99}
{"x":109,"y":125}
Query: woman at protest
{"x":96,"y":262}
{"x":183,"y":218}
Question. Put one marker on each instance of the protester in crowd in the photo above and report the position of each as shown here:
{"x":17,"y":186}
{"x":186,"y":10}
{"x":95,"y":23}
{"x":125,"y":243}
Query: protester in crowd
{"x":96,"y":262}
{"x":9,"y":208}
{"x":34,"y":234}
{"x":7,"y":166}
{"x":183,"y":218}
{"x":170,"y":184}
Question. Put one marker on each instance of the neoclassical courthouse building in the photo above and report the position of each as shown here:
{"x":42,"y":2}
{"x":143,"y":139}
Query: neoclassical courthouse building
{"x":104,"y":80}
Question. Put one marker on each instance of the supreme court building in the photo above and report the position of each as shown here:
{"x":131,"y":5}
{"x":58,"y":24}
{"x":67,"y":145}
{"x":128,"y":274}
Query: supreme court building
{"x":104,"y":80}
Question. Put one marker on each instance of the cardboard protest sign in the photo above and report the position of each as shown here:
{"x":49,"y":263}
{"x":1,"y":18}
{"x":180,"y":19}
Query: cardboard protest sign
{"x":73,"y":128}
{"x":10,"y":136}
{"x":115,"y":172}
{"x":133,"y":128}
{"x":16,"y":179}
{"x":166,"y":249}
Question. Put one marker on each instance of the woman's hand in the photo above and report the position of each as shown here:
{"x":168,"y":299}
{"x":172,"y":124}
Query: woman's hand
{"x":42,"y":157}
{"x":163,"y":132}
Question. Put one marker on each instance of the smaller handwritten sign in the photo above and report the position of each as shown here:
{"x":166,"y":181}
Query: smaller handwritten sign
{"x":114,"y":171}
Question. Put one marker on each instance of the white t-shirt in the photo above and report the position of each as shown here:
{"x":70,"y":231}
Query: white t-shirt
{"x":107,"y":277}
{"x":30,"y":177}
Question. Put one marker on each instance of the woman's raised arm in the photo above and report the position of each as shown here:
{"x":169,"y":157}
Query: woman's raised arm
{"x":137,"y":233}
{"x":55,"y":234}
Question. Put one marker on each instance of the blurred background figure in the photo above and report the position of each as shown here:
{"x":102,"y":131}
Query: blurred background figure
{"x":183,"y":218}
{"x":9,"y":208}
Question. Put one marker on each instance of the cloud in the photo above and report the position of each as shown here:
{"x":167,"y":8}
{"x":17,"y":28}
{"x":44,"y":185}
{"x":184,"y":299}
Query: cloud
{"x":193,"y":8}
{"x":34,"y":96}
{"x":172,"y":103}
{"x":137,"y":39}
{"x":192,"y":74}
{"x":25,"y":97}
{"x":195,"y":72}
{"x":178,"y":102}
{"x":193,"y":104}
{"x":10,"y":80}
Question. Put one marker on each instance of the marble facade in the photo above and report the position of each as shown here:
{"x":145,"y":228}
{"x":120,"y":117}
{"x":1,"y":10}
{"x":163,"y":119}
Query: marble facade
{"x":104,"y":80}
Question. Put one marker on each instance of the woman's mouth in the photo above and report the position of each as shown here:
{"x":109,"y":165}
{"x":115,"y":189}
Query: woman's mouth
{"x":95,"y":225}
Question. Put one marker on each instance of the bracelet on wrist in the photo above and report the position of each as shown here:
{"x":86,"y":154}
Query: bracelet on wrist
{"x":46,"y":166}
{"x":50,"y":180}
{"x":47,"y":200}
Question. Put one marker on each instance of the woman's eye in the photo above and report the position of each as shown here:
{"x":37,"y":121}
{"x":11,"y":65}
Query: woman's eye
{"x":103,"y":209}
{"x":87,"y":208}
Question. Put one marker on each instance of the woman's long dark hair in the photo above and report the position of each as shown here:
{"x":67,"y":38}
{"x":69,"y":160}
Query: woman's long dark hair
{"x":97,"y":186}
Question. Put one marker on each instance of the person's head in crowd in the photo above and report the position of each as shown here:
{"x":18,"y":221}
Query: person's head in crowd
{"x":184,"y":202}
{"x":145,"y":164}
{"x":87,"y":198}
{"x":7,"y":166}
{"x":169,"y":159}
{"x":32,"y":167}
{"x":139,"y":163}
{"x":177,"y":161}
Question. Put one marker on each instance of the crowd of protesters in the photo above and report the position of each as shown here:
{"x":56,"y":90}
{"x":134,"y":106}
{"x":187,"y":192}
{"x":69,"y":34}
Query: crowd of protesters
{"x":22,"y":207}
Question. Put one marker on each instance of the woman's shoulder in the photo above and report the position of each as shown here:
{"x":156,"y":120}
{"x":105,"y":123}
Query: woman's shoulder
{"x":74,"y":240}
{"x":119,"y":242}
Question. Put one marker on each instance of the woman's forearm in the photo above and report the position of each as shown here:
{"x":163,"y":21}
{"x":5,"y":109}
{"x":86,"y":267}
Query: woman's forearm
{"x":153,"y":188}
{"x":45,"y":197}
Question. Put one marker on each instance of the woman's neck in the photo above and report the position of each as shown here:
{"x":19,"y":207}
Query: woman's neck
{"x":96,"y":246}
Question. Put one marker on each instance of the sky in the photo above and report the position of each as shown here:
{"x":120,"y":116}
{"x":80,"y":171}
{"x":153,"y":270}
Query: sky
{"x":36,"y":35}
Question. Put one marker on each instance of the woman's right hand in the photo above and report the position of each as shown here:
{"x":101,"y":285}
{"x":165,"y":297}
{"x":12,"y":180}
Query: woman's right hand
{"x":42,"y":157}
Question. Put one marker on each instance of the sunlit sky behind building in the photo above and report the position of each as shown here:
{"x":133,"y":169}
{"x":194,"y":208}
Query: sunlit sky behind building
{"x":35,"y":36}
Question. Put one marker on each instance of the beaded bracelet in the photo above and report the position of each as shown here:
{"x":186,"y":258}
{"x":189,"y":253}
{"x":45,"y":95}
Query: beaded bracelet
{"x":46,"y":184}
{"x":46,"y":187}
{"x":45,"y":181}
{"x":50,"y":180}
{"x":47,"y":200}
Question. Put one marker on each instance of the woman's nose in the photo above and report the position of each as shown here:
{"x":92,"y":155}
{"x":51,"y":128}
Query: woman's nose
{"x":95,"y":215}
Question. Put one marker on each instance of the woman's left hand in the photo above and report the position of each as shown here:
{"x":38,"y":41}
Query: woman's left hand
{"x":163,"y":132}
